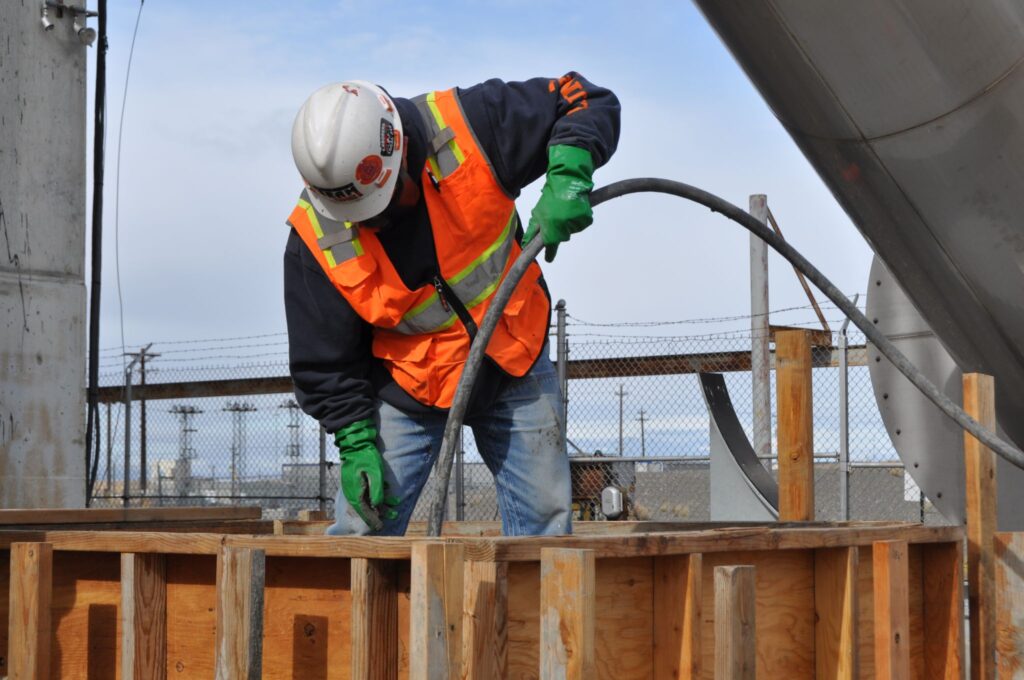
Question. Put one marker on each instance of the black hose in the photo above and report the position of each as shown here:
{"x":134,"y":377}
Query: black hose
{"x":1003,"y":448}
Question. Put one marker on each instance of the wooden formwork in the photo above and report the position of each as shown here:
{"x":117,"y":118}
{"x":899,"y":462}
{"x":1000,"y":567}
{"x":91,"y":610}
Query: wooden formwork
{"x":854,"y":600}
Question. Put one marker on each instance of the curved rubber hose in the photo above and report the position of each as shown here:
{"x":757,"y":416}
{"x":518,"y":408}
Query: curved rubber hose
{"x":1003,"y":448}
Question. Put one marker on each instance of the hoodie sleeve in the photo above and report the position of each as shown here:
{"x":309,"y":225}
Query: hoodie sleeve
{"x":328,"y":344}
{"x":516,"y":122}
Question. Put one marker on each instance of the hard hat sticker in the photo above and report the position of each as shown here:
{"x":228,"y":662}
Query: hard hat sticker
{"x":369,"y":169}
{"x":387,"y":138}
{"x":342,"y":194}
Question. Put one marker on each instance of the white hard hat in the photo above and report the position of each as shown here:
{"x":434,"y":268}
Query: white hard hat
{"x":346,"y":142}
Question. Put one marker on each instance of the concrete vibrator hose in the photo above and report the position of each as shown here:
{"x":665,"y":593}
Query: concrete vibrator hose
{"x":641,"y":185}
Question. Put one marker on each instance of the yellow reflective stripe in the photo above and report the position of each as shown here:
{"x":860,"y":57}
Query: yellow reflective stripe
{"x":447,"y":324}
{"x":484,"y":294}
{"x":487,"y":253}
{"x":311,"y":214}
{"x":434,"y":167}
{"x":456,"y":151}
{"x":421,"y":306}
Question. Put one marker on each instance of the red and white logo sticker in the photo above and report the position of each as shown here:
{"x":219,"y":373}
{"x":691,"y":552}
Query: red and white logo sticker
{"x":369,"y":169}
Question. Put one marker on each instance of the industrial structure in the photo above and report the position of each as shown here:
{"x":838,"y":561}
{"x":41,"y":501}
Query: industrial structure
{"x":910,"y":111}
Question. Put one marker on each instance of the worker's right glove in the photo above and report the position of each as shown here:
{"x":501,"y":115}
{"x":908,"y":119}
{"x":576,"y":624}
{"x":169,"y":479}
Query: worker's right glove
{"x":362,"y":474}
{"x":564,"y":205}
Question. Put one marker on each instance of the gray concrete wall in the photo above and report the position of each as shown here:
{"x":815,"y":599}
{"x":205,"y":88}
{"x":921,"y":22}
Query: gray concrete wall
{"x":42,"y":259}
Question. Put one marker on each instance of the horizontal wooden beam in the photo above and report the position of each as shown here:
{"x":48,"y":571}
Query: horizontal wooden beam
{"x":500,"y":549}
{"x":578,"y":369}
{"x":100,"y":515}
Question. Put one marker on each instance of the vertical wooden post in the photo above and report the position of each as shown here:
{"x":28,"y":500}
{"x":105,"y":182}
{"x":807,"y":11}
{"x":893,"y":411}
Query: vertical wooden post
{"x":374,"y":619}
{"x":143,"y":617}
{"x":677,"y":617}
{"x":892,"y":610}
{"x":1010,"y":614}
{"x":835,"y":608}
{"x":943,"y":610}
{"x":735,"y":639}
{"x":435,"y":611}
{"x":240,"y":578}
{"x":795,"y":425}
{"x":566,"y":614}
{"x":28,"y":641}
{"x":484,"y":620}
{"x":979,"y":402}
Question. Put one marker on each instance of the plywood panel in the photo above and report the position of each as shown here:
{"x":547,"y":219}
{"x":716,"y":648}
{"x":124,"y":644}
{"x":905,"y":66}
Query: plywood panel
{"x":785,"y":612}
{"x":86,"y":616}
{"x":306,"y":619}
{"x":191,"y":615}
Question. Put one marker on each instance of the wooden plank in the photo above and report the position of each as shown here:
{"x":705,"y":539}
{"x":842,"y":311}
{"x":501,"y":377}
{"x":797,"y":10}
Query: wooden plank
{"x":943,"y":615}
{"x":712,"y":541}
{"x":29,"y":613}
{"x":795,"y":426}
{"x":435,"y":593}
{"x":566,"y":614}
{"x":484,"y":620}
{"x":144,"y":617}
{"x":979,"y":402}
{"x":500,"y":549}
{"x":240,"y":579}
{"x":374,"y":620}
{"x":1010,"y":605}
{"x":312,"y":515}
{"x":677,"y":617}
{"x":835,"y":608}
{"x":735,"y":620}
{"x":97,"y":515}
{"x":892,"y":610}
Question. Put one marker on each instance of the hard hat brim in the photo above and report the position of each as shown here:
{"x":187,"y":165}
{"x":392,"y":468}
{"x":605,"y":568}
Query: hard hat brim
{"x":355,"y":210}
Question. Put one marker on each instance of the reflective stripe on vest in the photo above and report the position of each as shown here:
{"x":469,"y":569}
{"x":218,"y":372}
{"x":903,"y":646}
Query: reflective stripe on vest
{"x":446,"y":155}
{"x":472,"y":285}
{"x":338,"y":240}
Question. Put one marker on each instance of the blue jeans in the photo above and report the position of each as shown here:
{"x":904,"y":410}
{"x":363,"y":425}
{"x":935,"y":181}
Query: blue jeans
{"x":519,"y":441}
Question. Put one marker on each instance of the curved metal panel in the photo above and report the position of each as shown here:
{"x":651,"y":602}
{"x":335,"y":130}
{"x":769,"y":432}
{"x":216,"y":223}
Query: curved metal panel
{"x":723,"y":417}
{"x":910,"y":111}
{"x":930,"y":444}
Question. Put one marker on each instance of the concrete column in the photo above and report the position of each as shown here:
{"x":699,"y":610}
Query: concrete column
{"x":42,"y":260}
{"x":760,"y":357}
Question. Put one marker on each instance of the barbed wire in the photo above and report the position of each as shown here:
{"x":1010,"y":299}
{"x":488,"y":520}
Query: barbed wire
{"x":707,"y":320}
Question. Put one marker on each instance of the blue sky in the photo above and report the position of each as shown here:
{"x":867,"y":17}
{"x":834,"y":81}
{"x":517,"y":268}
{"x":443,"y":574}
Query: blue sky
{"x":206,"y":176}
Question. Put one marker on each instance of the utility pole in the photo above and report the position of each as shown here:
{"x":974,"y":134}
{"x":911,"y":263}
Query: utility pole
{"x":186,"y":454}
{"x":643,"y":441}
{"x":293,"y":452}
{"x":238,"y":409}
{"x":622,"y":395}
{"x":141,"y":357}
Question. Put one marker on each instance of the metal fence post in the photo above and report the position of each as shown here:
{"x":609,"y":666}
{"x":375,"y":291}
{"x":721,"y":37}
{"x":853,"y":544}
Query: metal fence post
{"x":322,"y":493}
{"x":562,"y":359}
{"x":844,"y":421}
{"x":460,"y":479}
{"x":127,"y":433}
{"x":760,"y":371}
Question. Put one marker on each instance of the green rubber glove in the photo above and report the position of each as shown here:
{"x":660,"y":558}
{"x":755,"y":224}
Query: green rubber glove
{"x":564,"y":205}
{"x":362,"y":473}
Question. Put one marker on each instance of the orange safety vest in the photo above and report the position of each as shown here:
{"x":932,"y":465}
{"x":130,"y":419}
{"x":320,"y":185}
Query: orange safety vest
{"x":416,"y":334}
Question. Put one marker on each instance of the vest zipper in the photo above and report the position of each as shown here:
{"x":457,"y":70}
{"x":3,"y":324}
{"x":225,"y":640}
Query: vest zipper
{"x":451,"y":302}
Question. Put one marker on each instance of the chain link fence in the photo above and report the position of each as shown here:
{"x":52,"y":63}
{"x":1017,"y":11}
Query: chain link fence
{"x":636,"y":420}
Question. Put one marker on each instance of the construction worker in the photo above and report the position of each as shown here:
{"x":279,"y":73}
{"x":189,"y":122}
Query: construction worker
{"x":404,"y":231}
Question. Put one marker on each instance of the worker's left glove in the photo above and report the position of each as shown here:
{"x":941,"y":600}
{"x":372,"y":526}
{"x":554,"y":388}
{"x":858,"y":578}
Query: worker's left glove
{"x":564,"y":205}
